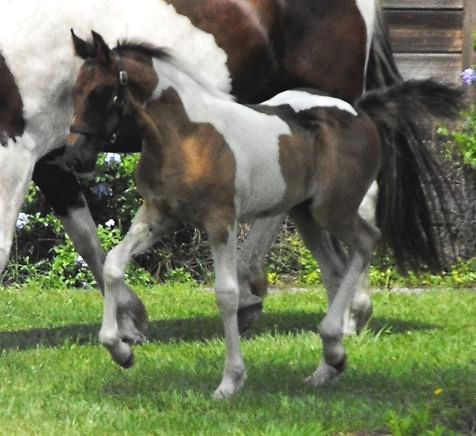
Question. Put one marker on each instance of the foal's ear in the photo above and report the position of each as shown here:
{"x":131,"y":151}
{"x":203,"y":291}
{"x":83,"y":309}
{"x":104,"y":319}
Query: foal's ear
{"x":82,"y":48}
{"x":102,"y":49}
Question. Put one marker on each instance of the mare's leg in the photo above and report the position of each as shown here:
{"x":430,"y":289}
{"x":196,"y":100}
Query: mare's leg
{"x":320,"y":244}
{"x":144,"y":232}
{"x":360,"y":236}
{"x":71,"y":208}
{"x":223,"y":245}
{"x":251,"y":272}
{"x":17,"y":160}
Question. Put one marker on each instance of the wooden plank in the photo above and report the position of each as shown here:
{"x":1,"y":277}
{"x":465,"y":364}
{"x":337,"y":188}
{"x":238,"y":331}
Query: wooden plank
{"x":423,"y":4}
{"x":469,"y":27}
{"x":445,"y":67}
{"x":426,"y":31}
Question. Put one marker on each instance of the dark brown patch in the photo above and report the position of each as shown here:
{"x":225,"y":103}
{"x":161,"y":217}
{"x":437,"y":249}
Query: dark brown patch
{"x":12,"y":123}
{"x":191,"y":172}
{"x":273,"y":45}
{"x":340,"y":156}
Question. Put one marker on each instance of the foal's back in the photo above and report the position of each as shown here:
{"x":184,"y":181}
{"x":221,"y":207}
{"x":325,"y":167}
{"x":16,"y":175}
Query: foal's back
{"x":331,"y":151}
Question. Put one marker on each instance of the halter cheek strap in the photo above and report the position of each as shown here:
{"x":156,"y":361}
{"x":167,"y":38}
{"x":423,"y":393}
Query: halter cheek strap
{"x":118,"y":103}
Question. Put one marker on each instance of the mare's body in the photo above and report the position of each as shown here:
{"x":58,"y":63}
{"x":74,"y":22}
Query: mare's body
{"x":269,"y":46}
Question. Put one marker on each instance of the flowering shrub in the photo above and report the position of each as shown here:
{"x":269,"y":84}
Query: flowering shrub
{"x":43,"y":254}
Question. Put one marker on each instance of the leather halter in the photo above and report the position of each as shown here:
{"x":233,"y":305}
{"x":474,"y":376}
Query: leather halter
{"x":117,"y":104}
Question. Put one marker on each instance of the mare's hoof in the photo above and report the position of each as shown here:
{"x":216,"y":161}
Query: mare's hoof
{"x":248,"y":315}
{"x":136,"y":338}
{"x":326,"y":374}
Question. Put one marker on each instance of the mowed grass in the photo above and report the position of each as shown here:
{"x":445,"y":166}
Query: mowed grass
{"x":413,"y":371}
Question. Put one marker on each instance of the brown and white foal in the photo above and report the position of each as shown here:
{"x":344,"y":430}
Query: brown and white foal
{"x":210,"y":161}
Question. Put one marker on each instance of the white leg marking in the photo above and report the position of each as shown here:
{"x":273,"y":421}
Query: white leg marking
{"x":141,"y":236}
{"x":226,"y":289}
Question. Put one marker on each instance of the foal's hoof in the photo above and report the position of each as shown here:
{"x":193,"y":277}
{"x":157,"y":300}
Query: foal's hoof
{"x":248,"y":315}
{"x":129,"y":363}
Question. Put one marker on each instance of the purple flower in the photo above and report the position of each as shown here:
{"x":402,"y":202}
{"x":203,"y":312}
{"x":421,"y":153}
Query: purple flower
{"x":22,"y":220}
{"x":102,"y":190}
{"x":468,"y":76}
{"x":110,"y":223}
{"x":113,"y":158}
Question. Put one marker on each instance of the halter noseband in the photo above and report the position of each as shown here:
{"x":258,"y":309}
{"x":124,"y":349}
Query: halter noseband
{"x":118,"y":103}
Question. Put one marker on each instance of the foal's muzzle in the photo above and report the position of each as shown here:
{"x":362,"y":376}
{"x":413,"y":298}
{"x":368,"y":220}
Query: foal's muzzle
{"x":80,"y":155}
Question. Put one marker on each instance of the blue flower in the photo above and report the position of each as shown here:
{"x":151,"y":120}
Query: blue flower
{"x":468,"y":76}
{"x":22,"y":220}
{"x":110,"y":223}
{"x":102,"y":190}
{"x":113,"y":158}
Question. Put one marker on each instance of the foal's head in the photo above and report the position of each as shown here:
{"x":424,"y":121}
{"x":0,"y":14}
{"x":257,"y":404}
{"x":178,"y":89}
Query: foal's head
{"x":101,"y":93}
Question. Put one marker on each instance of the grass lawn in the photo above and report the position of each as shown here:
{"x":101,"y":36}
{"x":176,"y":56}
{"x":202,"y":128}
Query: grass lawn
{"x":412,"y":372}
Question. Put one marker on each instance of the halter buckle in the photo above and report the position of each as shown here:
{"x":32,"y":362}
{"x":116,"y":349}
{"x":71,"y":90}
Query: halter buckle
{"x":123,"y":78}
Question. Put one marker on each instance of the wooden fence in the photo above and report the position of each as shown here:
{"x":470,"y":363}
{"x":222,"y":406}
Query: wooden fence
{"x":432,"y":38}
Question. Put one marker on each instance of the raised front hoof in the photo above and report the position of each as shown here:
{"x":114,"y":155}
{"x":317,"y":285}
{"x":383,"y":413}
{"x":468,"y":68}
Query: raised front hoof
{"x":229,"y":387}
{"x":326,"y":374}
{"x":128,"y":363}
{"x":134,"y":338}
{"x":248,"y":315}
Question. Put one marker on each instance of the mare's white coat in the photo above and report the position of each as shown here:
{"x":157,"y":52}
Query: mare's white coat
{"x":36,"y":43}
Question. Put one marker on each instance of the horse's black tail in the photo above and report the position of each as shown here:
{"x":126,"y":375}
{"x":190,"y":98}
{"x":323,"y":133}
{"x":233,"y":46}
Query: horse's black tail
{"x":412,"y":184}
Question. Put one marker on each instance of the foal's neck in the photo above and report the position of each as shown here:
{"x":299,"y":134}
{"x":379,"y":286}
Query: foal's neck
{"x":192,"y":88}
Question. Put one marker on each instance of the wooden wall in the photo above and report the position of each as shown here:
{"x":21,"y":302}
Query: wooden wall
{"x":432,"y":37}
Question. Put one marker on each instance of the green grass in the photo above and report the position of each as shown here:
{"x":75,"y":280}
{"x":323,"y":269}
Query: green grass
{"x":412,"y":372}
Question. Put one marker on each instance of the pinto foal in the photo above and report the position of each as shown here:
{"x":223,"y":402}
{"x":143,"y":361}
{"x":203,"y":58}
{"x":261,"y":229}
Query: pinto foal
{"x":210,"y":161}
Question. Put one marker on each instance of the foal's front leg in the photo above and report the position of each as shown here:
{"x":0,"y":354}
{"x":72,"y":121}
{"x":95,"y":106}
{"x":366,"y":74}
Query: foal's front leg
{"x":223,"y":245}
{"x":144,"y":232}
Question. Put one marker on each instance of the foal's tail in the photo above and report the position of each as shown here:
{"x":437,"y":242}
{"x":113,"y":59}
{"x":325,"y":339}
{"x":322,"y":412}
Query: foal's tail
{"x":412,"y":184}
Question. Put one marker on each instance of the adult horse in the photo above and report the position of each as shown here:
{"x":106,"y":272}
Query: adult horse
{"x":210,"y":161}
{"x":254,"y":49}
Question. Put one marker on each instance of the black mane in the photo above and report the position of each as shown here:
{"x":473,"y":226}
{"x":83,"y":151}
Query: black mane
{"x":144,"y":48}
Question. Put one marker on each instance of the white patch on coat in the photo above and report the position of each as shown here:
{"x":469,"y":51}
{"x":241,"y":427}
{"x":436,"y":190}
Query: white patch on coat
{"x":368,"y":10}
{"x":36,"y":42}
{"x":252,"y":136}
{"x":302,"y":100}
{"x":368,"y":207}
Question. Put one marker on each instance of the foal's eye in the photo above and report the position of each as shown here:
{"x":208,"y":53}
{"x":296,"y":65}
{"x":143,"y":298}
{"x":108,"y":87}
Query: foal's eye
{"x":100,"y":96}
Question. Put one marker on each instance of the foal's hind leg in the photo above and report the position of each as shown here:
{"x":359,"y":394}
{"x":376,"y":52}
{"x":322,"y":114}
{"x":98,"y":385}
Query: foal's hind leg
{"x":361,"y":237}
{"x":145,"y":230}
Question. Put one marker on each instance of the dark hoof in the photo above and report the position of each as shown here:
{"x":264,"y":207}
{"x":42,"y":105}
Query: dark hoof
{"x":247,"y":316}
{"x":341,"y":366}
{"x":129,"y":362}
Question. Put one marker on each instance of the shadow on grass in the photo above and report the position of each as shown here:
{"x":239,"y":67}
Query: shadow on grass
{"x":193,"y":329}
